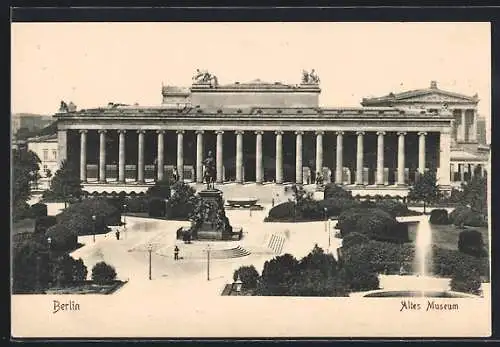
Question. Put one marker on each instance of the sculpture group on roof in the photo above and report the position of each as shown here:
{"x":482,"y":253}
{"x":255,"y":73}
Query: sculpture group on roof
{"x":64,"y":107}
{"x":205,"y":77}
{"x":309,"y":77}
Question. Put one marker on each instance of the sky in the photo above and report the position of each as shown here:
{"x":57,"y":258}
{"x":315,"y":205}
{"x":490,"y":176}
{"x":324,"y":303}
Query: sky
{"x":92,"y":64}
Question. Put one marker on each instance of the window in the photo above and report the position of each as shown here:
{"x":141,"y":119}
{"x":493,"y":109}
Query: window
{"x":54,"y":154}
{"x":45,"y":168}
{"x":45,"y":154}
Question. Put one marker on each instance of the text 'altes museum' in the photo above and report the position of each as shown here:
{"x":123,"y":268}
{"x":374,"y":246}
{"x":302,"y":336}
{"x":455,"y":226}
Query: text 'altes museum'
{"x":274,"y":132}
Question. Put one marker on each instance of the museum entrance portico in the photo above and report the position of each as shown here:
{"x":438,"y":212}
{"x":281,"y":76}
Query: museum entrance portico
{"x":366,"y":151}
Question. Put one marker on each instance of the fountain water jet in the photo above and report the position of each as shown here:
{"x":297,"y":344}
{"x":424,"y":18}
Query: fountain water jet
{"x":423,"y":245}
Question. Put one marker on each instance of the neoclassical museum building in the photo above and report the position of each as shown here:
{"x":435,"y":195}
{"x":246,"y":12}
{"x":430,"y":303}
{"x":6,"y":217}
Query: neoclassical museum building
{"x":276,"y":133}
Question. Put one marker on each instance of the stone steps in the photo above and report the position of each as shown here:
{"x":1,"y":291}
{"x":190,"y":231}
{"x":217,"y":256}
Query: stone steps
{"x":276,"y":243}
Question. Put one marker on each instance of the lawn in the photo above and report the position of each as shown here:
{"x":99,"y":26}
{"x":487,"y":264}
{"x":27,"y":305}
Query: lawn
{"x":446,"y":236}
{"x":87,"y":287}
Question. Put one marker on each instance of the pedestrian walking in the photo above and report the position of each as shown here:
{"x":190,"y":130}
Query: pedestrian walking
{"x":176,"y":253}
{"x":117,"y":234}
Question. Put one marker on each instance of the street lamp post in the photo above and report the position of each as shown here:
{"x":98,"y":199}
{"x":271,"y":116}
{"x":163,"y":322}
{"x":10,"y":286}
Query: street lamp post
{"x":208,"y":262}
{"x":150,"y":249}
{"x":329,"y":233}
{"x":94,"y":224}
{"x":237,"y":285}
{"x":124,"y":219}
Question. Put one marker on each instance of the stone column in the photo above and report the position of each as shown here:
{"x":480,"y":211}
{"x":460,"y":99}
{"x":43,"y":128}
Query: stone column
{"x":62,"y":145}
{"x":102,"y":156}
{"x":239,"y":156}
{"x":359,"y":158}
{"x":219,"y":157}
{"x":199,"y":156}
{"x":298,"y":157}
{"x":380,"y":157}
{"x":444,"y":158}
{"x":339,"y":166}
{"x":421,"y":152}
{"x":180,"y":154}
{"x":140,"y":159}
{"x":161,"y":155}
{"x":401,"y":158}
{"x":473,"y":127}
{"x":279,"y":156}
{"x":83,"y":156}
{"x":461,"y":135}
{"x":121,"y":156}
{"x":319,"y":152}
{"x":461,"y":168}
{"x":259,"y":172}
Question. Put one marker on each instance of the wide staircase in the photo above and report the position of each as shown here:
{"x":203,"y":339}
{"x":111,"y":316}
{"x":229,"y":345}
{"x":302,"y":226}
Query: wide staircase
{"x":276,"y":243}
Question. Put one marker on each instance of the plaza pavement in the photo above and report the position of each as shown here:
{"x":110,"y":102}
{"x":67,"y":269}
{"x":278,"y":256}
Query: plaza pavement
{"x":129,"y":255}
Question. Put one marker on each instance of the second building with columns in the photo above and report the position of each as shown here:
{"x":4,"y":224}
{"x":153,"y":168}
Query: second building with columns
{"x":257,"y":132}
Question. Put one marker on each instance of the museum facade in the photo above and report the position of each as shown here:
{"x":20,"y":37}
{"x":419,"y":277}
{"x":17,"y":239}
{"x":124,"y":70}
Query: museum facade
{"x":273,"y":132}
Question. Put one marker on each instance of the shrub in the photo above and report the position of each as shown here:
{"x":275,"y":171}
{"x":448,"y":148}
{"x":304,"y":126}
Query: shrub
{"x":38,"y":210}
{"x":62,"y":238}
{"x":466,"y":279}
{"x":379,"y":256}
{"x":67,"y":270}
{"x":312,"y":282}
{"x":318,"y":260}
{"x":103,"y":273}
{"x":374,"y":223}
{"x":248,"y":276}
{"x":353,"y":239}
{"x":394,"y":207}
{"x":446,"y":262}
{"x":156,"y":207}
{"x":283,"y":211}
{"x":334,"y":191}
{"x":471,"y":242}
{"x":439,"y":217}
{"x":43,"y":223}
{"x":359,"y":276}
{"x":463,"y":215}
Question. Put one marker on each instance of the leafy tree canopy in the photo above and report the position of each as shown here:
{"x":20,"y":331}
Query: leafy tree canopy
{"x":425,"y":189}
{"x":26,"y":165}
{"x":66,"y":181}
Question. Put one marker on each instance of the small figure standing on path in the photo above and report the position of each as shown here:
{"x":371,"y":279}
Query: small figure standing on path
{"x":176,"y":253}
{"x":175,"y":175}
{"x":117,"y":234}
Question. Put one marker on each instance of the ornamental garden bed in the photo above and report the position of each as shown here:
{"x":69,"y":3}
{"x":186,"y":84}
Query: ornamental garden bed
{"x":87,"y":287}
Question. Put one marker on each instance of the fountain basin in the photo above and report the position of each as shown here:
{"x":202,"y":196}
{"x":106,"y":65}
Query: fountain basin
{"x":416,"y":293}
{"x":241,"y":202}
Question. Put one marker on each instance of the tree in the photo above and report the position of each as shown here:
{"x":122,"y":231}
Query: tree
{"x":471,"y":242}
{"x":161,"y":189}
{"x":425,"y":189}
{"x":474,"y":194}
{"x":277,"y":275}
{"x":26,"y":165}
{"x":66,"y":182}
{"x":318,"y":260}
{"x":248,"y":276}
{"x":182,"y":201}
{"x":67,"y":270}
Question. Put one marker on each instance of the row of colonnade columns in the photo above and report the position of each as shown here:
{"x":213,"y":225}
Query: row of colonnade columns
{"x":219,"y":155}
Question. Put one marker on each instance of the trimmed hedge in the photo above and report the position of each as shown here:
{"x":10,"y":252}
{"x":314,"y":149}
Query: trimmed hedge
{"x":157,"y":207}
{"x":353,"y":239}
{"x":445,"y":262}
{"x":334,"y":191}
{"x":439,"y":217}
{"x":136,"y":204}
{"x":282,"y":212}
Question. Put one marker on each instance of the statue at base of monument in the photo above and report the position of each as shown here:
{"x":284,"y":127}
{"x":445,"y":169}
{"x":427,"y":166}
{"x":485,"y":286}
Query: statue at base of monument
{"x":210,"y":171}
